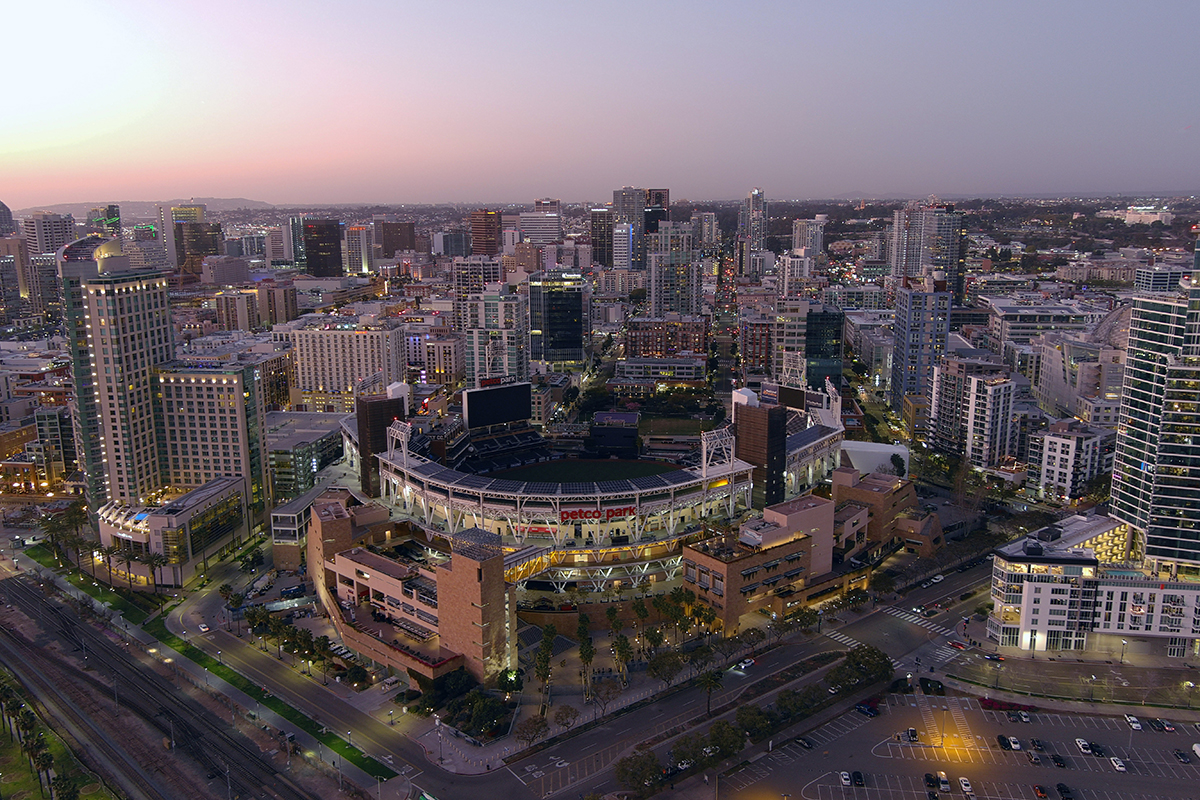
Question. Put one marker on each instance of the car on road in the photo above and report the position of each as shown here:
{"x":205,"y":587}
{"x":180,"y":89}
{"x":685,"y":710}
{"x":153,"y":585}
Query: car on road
{"x":965,"y":785}
{"x":203,"y":628}
{"x":930,"y":781}
{"x":1064,"y":791}
{"x":857,"y":778}
{"x":1118,"y":764}
{"x":938,"y":578}
{"x":1034,"y":758}
{"x":926,"y":584}
{"x":1003,"y":741}
{"x":1024,"y":715}
{"x":1036,"y":744}
{"x":745,"y":662}
{"x":993,"y":657}
{"x":805,"y":743}
{"x":1040,"y":791}
{"x":687,"y":763}
{"x":1014,"y":743}
{"x":1133,"y":721}
{"x":1168,"y":727}
{"x":1058,"y":760}
{"x":958,"y":645}
{"x":834,"y":689}
{"x":845,"y":776}
{"x":711,"y":750}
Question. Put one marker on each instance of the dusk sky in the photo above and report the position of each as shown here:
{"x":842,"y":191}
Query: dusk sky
{"x":300,"y":102}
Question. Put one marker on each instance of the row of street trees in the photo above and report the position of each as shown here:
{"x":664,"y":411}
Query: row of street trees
{"x":64,"y":532}
{"x":20,"y":722}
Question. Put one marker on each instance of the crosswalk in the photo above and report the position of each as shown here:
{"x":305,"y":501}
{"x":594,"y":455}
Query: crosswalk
{"x":852,"y":643}
{"x":913,"y":619}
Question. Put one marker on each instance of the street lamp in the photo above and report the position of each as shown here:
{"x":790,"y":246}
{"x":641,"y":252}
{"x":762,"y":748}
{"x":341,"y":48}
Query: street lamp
{"x":390,"y":720}
{"x":350,"y":734}
{"x":219,"y":659}
{"x":1189,"y":686}
{"x":1124,"y":644}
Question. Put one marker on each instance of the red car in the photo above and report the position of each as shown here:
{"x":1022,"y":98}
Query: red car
{"x":958,"y":645}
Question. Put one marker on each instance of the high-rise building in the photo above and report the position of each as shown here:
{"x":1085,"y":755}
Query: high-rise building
{"x":559,"y":316}
{"x":323,"y":248}
{"x":331,"y":361}
{"x":359,"y":249}
{"x":752,"y":220}
{"x":105,"y":221}
{"x":1156,"y":468}
{"x":809,"y":233}
{"x":44,"y":286}
{"x":295,"y":230}
{"x":762,"y":441}
{"x":706,"y":230}
{"x":497,"y":336}
{"x":394,"y":237}
{"x":471,"y":275}
{"x":602,"y":236}
{"x":991,"y":430}
{"x":237,"y":311}
{"x":929,"y":237}
{"x":541,"y":227}
{"x":658,"y":208}
{"x":629,"y":208}
{"x":793,"y":271}
{"x":14,"y":247}
{"x":47,"y":233}
{"x":949,"y":397}
{"x":624,"y":245}
{"x":674,"y":281}
{"x":548,"y":205}
{"x":666,"y":337}
{"x":919,"y":336}
{"x":485,"y":232}
{"x":195,"y":241}
{"x":788,"y":341}
{"x":194,"y":212}
{"x":823,"y":346}
{"x":278,"y":246}
{"x":277,"y":302}
{"x":10,"y":288}
{"x":7,"y":226}
{"x":1066,"y":457}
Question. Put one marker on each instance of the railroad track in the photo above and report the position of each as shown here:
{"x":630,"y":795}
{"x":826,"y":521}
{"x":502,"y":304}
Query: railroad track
{"x":197,"y":733}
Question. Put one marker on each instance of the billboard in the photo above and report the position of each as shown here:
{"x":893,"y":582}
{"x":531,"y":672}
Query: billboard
{"x":497,"y":405}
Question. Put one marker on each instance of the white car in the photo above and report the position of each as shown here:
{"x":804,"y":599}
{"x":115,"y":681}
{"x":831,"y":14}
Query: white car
{"x":685,"y":764}
{"x":711,"y":750}
{"x":938,"y":578}
{"x":203,"y":628}
{"x":745,"y":662}
{"x":1118,"y":764}
{"x":1133,"y":721}
{"x":1014,"y":742}
{"x":1084,"y":746}
{"x":845,"y":778}
{"x":965,"y":785}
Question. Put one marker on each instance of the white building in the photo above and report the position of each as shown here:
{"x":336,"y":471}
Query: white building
{"x":334,"y":353}
{"x":1067,"y":456}
{"x":991,"y":429}
{"x":496,"y":327}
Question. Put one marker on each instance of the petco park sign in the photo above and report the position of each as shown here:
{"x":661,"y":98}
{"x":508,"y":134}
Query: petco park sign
{"x":595,"y":514}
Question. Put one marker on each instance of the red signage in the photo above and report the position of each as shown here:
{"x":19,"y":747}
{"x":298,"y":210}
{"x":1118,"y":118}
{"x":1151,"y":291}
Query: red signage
{"x":596,"y":514}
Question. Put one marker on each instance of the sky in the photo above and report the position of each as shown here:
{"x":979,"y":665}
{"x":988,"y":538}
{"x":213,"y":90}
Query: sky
{"x":296,"y":102}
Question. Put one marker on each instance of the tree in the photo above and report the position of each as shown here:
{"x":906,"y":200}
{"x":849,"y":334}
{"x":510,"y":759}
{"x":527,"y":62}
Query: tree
{"x":43,"y":761}
{"x":689,"y":747}
{"x":587,"y":652}
{"x":899,"y":466}
{"x":728,"y":739}
{"x":583,"y":628}
{"x":883,"y":583}
{"x":856,"y":598}
{"x":654,"y":639}
{"x":252,"y":560}
{"x":565,"y":716}
{"x":356,"y":675}
{"x":710,"y":682}
{"x":530,"y":729}
{"x":623,"y":651}
{"x":75,"y":517}
{"x":606,"y":691}
{"x":780,"y":628}
{"x":665,"y":667}
{"x":64,"y":787}
{"x":752,"y":637}
{"x":640,"y":770}
{"x":109,"y":552}
{"x":754,"y":721}
{"x":509,"y":681}
{"x":806,"y":618}
{"x":225,"y":591}
{"x":641,"y":612}
{"x":128,"y":558}
{"x":9,"y":703}
{"x":155,"y":561}
{"x":611,"y":612}
{"x":700,"y":658}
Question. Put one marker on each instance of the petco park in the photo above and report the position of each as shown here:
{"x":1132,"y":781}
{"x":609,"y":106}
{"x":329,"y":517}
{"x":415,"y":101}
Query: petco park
{"x":587,"y":533}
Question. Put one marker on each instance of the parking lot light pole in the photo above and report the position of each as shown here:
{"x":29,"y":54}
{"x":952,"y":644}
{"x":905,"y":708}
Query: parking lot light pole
{"x":1124,"y":644}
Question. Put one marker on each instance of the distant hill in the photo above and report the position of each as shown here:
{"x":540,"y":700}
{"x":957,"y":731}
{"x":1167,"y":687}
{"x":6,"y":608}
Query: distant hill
{"x":144,"y":209}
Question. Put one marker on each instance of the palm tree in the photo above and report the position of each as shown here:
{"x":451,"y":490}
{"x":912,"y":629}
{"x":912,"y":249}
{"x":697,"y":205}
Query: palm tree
{"x":43,"y":761}
{"x":25,"y":723}
{"x":53,"y":529}
{"x":75,"y":517}
{"x":64,"y":787}
{"x":710,"y":682}
{"x":127,"y":557}
{"x":108,"y":552}
{"x":155,"y":561}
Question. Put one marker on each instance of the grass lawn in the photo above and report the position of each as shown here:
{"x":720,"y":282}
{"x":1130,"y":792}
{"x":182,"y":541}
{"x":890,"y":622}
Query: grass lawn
{"x":135,"y":606}
{"x":672,"y":426}
{"x":158,"y":628}
{"x":574,"y":470}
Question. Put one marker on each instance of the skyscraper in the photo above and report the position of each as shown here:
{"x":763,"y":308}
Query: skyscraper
{"x":704,"y":224}
{"x":295,"y":231}
{"x":629,"y":208}
{"x":658,"y":208}
{"x":809,"y":233}
{"x":194,"y":241}
{"x":105,"y":221}
{"x":485,"y":232}
{"x":323,"y":248}
{"x":602,"y":236}
{"x":1156,"y":469}
{"x":752,"y":220}
{"x":497,"y":336}
{"x":558,"y":316}
{"x":471,"y":276}
{"x":919,"y":336}
{"x":674,"y":275}
{"x":359,"y":247}
{"x":541,"y":227}
{"x":48,"y":233}
{"x":929,"y":236}
{"x":394,"y":237}
{"x":7,"y":226}
{"x":623,"y":245}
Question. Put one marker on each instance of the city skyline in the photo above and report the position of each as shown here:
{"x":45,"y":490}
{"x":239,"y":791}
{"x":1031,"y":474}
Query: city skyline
{"x":803,"y":100}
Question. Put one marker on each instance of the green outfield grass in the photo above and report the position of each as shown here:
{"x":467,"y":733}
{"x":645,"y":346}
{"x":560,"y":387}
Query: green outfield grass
{"x":574,"y":471}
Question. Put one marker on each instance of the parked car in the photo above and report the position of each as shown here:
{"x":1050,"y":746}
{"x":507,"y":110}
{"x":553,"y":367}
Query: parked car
{"x":1064,"y":791}
{"x":857,"y":778}
{"x":1156,"y":725}
{"x":1039,"y":790}
{"x":845,"y":776}
{"x":1097,"y":749}
{"x":1003,"y":741}
{"x":1133,"y":721}
{"x":965,"y":785}
{"x":1168,"y":727}
{"x":1034,"y":758}
{"x":1182,"y":757}
{"x":1036,"y":744}
{"x":711,"y":750}
{"x":930,"y":781}
{"x":912,"y":735}
{"x":938,"y":578}
{"x":805,"y":743}
{"x":1084,"y":746}
{"x":1014,"y":743}
{"x":866,"y":710}
{"x":1024,"y":715}
{"x":1058,"y":760}
{"x":1118,"y":764}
